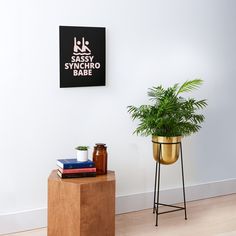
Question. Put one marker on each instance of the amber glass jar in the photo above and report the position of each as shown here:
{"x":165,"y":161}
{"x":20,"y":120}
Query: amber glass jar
{"x":100,"y":158}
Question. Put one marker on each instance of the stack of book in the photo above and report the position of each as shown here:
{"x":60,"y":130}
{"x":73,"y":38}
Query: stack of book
{"x":71,"y":168}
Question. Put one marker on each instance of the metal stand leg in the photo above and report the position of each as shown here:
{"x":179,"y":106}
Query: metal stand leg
{"x":158,"y":185}
{"x":155,"y":190}
{"x":156,"y":202}
{"x":182,"y":167}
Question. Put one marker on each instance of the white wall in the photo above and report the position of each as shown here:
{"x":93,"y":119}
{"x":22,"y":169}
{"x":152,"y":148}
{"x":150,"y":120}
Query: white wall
{"x":149,"y":42}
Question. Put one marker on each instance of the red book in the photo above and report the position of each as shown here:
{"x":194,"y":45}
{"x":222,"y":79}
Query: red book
{"x":80,"y":170}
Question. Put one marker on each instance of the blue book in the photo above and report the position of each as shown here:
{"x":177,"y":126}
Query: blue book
{"x":74,"y":164}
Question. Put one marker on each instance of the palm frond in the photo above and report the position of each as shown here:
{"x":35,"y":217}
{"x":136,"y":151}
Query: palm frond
{"x":200,"y":104}
{"x":155,"y":93}
{"x":170,"y":114}
{"x":190,"y":85}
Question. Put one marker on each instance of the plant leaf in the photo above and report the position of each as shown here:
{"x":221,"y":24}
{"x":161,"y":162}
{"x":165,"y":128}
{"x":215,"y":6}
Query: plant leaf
{"x":190,"y":85}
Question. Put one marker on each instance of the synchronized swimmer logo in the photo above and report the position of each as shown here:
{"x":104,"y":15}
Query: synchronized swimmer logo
{"x":81,"y":48}
{"x":82,"y":63}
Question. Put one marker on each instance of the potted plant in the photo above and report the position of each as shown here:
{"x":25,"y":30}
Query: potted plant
{"x":82,"y":153}
{"x":169,"y":117}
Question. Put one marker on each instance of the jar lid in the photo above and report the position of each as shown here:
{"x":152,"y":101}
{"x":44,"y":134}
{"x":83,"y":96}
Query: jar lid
{"x":100,"y":144}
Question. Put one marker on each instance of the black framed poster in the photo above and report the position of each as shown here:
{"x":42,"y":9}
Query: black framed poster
{"x":82,"y":56}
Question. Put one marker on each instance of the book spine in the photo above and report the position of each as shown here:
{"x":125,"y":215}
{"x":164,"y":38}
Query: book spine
{"x":75,"y":165}
{"x":76,"y":175}
{"x":80,"y":170}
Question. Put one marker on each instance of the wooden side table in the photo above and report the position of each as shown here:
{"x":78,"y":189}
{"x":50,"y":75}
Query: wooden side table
{"x":81,"y":206}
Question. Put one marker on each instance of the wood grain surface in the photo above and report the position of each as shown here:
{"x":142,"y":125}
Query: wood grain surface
{"x":81,"y":206}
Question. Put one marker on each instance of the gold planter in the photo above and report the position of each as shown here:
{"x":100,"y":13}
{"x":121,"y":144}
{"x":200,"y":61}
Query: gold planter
{"x":169,"y":149}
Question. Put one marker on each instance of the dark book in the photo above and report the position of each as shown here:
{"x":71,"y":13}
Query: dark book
{"x":74,"y":164}
{"x":76,"y":175}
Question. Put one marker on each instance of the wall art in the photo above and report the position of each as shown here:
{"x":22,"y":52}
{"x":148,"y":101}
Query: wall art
{"x":82,"y":56}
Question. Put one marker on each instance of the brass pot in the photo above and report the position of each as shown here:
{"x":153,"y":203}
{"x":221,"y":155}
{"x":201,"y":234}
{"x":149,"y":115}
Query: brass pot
{"x":169,"y":152}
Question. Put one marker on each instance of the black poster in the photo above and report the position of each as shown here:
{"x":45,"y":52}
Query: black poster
{"x":82,"y":56}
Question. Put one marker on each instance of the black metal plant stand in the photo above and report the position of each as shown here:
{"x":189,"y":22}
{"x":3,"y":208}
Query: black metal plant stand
{"x":156,"y":202}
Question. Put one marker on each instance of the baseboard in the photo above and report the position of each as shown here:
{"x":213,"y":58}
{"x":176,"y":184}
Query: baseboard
{"x":22,"y":221}
{"x":37,"y":218}
{"x":140,"y":201}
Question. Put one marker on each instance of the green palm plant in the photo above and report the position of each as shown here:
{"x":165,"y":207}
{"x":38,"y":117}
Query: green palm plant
{"x":170,"y":114}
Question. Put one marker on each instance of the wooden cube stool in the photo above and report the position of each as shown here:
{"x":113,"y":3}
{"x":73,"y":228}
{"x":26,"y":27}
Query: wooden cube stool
{"x":81,"y":206}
